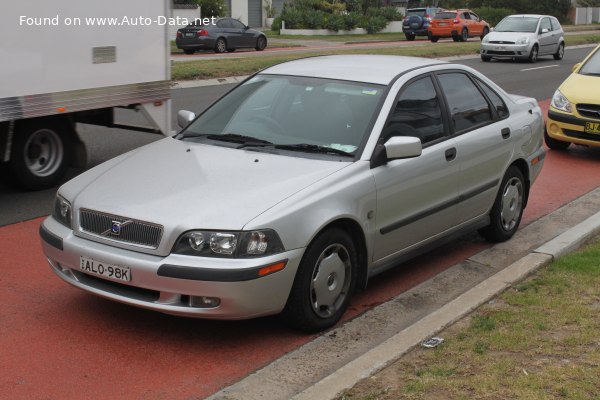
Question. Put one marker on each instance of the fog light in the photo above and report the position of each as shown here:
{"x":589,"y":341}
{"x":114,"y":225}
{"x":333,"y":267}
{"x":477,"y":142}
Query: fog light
{"x":204,"y":302}
{"x":554,"y":129}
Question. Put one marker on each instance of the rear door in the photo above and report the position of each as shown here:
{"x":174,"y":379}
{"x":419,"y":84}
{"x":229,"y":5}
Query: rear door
{"x":479,"y":120}
{"x":546,"y":37}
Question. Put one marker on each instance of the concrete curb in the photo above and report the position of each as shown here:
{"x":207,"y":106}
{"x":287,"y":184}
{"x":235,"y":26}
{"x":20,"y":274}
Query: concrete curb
{"x":395,"y":347}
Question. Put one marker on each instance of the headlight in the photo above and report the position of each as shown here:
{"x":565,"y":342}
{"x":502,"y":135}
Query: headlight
{"x":560,"y":102}
{"x":229,"y":244}
{"x":523,"y":40}
{"x":62,"y":211}
{"x":485,"y":39}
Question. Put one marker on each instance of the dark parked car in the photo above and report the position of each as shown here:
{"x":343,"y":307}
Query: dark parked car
{"x":416,"y":22}
{"x":226,"y":34}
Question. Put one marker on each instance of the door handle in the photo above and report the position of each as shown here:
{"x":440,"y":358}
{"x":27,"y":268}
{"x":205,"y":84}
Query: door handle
{"x":450,"y":154}
{"x":505,"y":133}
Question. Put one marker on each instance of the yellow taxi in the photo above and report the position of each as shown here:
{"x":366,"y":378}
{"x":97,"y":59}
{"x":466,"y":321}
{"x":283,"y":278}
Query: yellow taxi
{"x":574,"y":113}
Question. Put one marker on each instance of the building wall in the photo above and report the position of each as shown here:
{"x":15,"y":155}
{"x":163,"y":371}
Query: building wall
{"x":188,"y":13}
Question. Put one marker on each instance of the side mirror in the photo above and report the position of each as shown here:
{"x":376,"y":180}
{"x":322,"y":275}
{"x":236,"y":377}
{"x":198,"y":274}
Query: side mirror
{"x":184,"y":118}
{"x":403,"y":147}
{"x":545,"y":30}
{"x":246,"y":27}
{"x":575,"y":67}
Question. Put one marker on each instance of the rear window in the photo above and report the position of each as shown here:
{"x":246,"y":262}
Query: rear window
{"x":421,"y":12}
{"x":445,"y":15}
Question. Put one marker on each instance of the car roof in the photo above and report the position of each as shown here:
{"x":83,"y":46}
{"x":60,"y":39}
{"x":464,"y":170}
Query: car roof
{"x":376,"y":69}
{"x":527,"y":15}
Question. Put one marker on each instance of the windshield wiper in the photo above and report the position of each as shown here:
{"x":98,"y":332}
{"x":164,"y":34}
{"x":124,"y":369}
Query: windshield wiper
{"x":230,"y":138}
{"x":313,"y":148}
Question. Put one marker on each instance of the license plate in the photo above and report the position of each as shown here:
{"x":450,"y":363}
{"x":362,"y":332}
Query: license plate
{"x":190,"y":35}
{"x":442,"y":24}
{"x":500,"y":47}
{"x":592,"y":127}
{"x":110,"y":271}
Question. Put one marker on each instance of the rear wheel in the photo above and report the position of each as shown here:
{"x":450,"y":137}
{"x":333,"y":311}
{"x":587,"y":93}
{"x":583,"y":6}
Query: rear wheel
{"x":40,"y":154}
{"x":560,"y":52}
{"x":324,"y":283}
{"x":189,"y":51}
{"x":434,"y":39}
{"x":485,"y":32}
{"x":507,"y":210}
{"x":220,"y":46}
{"x":261,"y":43}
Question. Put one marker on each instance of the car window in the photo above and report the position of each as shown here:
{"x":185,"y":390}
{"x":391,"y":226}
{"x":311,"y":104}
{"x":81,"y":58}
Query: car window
{"x":495,"y":99}
{"x":517,"y":24}
{"x":474,"y":16}
{"x":445,"y":15}
{"x":417,"y":113}
{"x":555,"y":24}
{"x":592,"y":65}
{"x":236,"y":24}
{"x":545,"y":24}
{"x":292,"y":110}
{"x":468,"y":107}
{"x":223,"y":23}
{"x":421,"y":12}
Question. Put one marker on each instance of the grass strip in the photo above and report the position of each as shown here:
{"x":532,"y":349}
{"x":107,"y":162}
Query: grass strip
{"x":209,"y":69}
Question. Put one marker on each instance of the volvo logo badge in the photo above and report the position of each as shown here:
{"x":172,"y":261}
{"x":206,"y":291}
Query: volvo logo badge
{"x":116,"y":228}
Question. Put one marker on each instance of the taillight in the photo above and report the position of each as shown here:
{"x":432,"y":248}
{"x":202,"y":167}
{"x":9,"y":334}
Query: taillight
{"x":202,"y":32}
{"x":427,"y":17}
{"x":179,"y":34}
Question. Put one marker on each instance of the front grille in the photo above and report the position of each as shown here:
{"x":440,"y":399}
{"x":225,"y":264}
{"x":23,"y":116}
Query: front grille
{"x":500,"y":53}
{"x":589,"y":110}
{"x":500,"y":42}
{"x":582,"y":135}
{"x":120,"y":229}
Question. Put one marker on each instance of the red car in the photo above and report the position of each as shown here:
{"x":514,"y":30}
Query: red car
{"x":457,"y":24}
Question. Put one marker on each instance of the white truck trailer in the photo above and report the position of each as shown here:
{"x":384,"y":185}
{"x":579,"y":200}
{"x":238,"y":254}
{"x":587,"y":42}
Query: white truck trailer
{"x":64,"y":62}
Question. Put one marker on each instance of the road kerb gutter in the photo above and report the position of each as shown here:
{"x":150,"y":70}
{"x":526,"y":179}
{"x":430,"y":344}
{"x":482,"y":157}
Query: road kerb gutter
{"x":395,"y":347}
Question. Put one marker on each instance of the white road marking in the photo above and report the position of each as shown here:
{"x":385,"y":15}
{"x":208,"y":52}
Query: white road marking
{"x":546,"y":66}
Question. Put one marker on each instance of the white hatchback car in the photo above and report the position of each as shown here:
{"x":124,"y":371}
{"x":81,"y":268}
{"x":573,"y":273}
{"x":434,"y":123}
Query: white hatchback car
{"x":294,"y":188}
{"x":524,"y":37}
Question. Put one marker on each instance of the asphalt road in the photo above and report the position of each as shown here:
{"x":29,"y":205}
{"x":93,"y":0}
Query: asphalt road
{"x":536,"y":80}
{"x":59,"y":342}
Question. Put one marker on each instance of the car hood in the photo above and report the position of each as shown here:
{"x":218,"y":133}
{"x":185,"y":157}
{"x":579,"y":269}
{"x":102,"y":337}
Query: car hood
{"x":507,"y":36}
{"x":184,"y":185}
{"x":581,"y":88}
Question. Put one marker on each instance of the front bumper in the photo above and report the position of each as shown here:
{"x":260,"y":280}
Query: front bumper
{"x":177,"y":288}
{"x":505,"y":50}
{"x":571,"y":128}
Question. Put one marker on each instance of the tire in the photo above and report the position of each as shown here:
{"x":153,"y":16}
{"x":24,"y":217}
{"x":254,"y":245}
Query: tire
{"x":508,"y":207}
{"x":40,"y":154}
{"x":486,"y":58}
{"x":533,"y":55}
{"x":220,"y":46}
{"x":485,"y":32}
{"x":409,"y":37}
{"x":555,"y":144}
{"x":261,"y":43}
{"x":434,"y":39}
{"x":464,"y":35}
{"x":560,"y":52}
{"x":324,"y":283}
{"x":456,"y":38}
{"x":189,"y":51}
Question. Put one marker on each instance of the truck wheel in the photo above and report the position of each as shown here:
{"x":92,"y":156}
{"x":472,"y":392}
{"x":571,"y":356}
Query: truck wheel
{"x":40,"y":154}
{"x":324,"y":282}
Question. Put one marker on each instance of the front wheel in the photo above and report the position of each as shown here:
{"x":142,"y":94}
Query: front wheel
{"x":485,"y":58}
{"x":485,"y":32}
{"x":324,"y":283}
{"x":508,"y":207}
{"x":560,"y":52}
{"x":533,"y":54}
{"x":464,"y":36}
{"x":40,"y":154}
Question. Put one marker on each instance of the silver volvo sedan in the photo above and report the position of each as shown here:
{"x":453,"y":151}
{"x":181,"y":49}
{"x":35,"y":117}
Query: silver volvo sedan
{"x":292,"y":190}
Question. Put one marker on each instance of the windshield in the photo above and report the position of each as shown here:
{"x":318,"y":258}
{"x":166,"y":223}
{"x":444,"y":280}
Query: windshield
{"x":420,"y":12}
{"x":592,"y":65}
{"x":288,"y":110}
{"x":517,"y":24}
